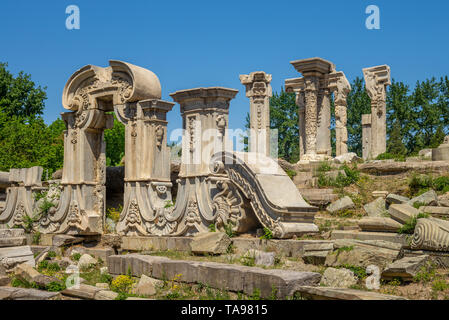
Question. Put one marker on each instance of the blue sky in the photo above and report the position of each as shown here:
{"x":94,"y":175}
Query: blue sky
{"x":194,"y":43}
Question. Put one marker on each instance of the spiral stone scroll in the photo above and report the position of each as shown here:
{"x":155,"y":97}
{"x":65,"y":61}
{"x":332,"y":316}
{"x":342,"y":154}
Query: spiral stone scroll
{"x":431,"y":234}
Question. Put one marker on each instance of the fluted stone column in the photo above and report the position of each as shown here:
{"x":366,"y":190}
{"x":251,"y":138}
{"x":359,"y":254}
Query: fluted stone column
{"x":258,"y":90}
{"x":376,"y":80}
{"x":341,"y":88}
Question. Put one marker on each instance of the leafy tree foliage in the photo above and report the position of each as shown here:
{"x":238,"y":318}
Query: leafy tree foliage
{"x":115,"y":143}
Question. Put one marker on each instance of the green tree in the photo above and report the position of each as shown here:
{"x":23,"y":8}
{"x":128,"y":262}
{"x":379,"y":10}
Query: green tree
{"x":284,"y":118}
{"x":358,"y":103}
{"x":19,"y":96}
{"x":115,"y":143}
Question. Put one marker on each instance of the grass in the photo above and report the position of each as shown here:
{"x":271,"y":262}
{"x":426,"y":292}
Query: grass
{"x":351,"y":176}
{"x":421,"y":183}
{"x":267,"y":234}
{"x":409,"y":226}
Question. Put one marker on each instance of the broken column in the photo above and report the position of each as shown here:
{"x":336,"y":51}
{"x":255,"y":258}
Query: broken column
{"x":314,"y":94}
{"x":340,"y":86}
{"x":147,"y":170}
{"x":376,"y":81}
{"x":258,"y":90}
{"x":366,"y":136}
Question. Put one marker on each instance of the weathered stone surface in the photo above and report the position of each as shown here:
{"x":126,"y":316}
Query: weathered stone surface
{"x":363,"y":236}
{"x":334,"y":174}
{"x":102,"y":285}
{"x":112,"y":240}
{"x":431,"y":234}
{"x":405,"y":268}
{"x":261,"y":258}
{"x":60,"y":240}
{"x":402,"y":213}
{"x":339,"y":278}
{"x":8,"y":293}
{"x":347,"y":158}
{"x":442,"y":152}
{"x":435,"y":211}
{"x":106,"y":295}
{"x":325,"y":293}
{"x":210,"y":243}
{"x":381,"y":194}
{"x":379,"y":224}
{"x":96,"y":252}
{"x":29,"y":274}
{"x":4,"y":280}
{"x":86,"y":261}
{"x":134,"y":243}
{"x":83,"y":292}
{"x":430,"y":198}
{"x":363,"y":253}
{"x":316,"y":253}
{"x":10,"y":257}
{"x":12,"y":242}
{"x":390,"y":167}
{"x":318,"y":197}
{"x":425,"y":153}
{"x":443,"y":200}
{"x":146,"y":286}
{"x":376,"y":208}
{"x":341,"y":205}
{"x":217,"y":275}
{"x":396,"y":199}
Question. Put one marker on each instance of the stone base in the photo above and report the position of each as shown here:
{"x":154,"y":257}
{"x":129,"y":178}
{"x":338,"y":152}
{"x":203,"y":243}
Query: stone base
{"x":325,"y":293}
{"x":391,"y":237}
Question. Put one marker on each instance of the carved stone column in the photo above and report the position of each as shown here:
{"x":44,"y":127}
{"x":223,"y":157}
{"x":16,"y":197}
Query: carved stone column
{"x":376,"y":80}
{"x":258,"y":90}
{"x":297,"y":86}
{"x":205,"y":198}
{"x":317,"y":105}
{"x":90,"y":94}
{"x":341,"y":88}
{"x":147,"y":171}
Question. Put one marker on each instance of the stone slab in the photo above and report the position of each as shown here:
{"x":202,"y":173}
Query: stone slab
{"x":9,"y":293}
{"x":12,"y":256}
{"x":405,"y":268}
{"x":156,"y":243}
{"x":102,"y":253}
{"x":439,"y":212}
{"x":379,"y":224}
{"x":84,"y":291}
{"x":219,"y":275}
{"x":12,"y":233}
{"x":402,"y":213}
{"x":391,"y":237}
{"x":13,"y":242}
{"x":327,"y":293}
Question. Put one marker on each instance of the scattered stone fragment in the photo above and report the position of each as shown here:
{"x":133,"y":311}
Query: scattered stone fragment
{"x":431,"y":234}
{"x":84,"y":291}
{"x":103,"y":270}
{"x":443,"y":200}
{"x":261,"y":258}
{"x":347,"y":158}
{"x":86,"y":261}
{"x":72,"y":269}
{"x":102,"y":285}
{"x":30,"y":275}
{"x":137,"y":298}
{"x":380,"y":194}
{"x":325,"y":293}
{"x":316,"y":253}
{"x":435,"y":211}
{"x":9,"y":293}
{"x":145,"y":287}
{"x":4,"y":281}
{"x":339,"y":278}
{"x":10,"y":257}
{"x":363,"y":253}
{"x":405,"y":268}
{"x":402,"y":213}
{"x":376,"y":208}
{"x":396,"y":199}
{"x":342,"y":204}
{"x":106,"y":295}
{"x":430,"y":198}
{"x":210,"y":243}
{"x":12,"y":237}
{"x":60,"y":240}
{"x":379,"y":224}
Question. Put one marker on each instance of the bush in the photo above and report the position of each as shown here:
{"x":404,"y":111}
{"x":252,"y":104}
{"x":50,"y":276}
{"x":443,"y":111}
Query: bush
{"x":352,"y":176}
{"x":55,"y":286}
{"x":122,"y":284}
{"x":419,"y":184}
{"x":267,"y":234}
{"x":114,"y":213}
{"x":441,"y":184}
{"x":409,"y":226}
{"x":390,"y":156}
{"x":76,"y":256}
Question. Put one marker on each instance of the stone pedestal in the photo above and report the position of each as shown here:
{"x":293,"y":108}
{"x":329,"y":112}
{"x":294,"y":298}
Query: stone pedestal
{"x":376,"y":80}
{"x":147,"y":172}
{"x":258,"y":90}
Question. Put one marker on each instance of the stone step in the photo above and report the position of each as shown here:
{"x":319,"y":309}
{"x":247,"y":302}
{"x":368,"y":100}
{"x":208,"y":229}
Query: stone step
{"x":379,"y":224}
{"x":12,"y":233}
{"x":385,"y":236}
{"x":327,"y":293}
{"x":12,"y":242}
{"x":402,"y":213}
{"x":217,"y":275}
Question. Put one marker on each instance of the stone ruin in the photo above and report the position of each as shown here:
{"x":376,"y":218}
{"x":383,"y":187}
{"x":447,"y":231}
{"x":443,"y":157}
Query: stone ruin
{"x":215,"y":185}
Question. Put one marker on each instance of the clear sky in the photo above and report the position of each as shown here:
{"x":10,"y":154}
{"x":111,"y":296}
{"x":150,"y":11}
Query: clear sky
{"x":194,"y":43}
